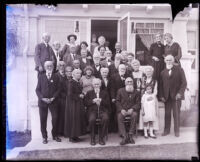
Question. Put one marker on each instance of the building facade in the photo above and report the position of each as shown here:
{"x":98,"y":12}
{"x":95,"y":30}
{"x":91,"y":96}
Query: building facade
{"x":123,"y":23}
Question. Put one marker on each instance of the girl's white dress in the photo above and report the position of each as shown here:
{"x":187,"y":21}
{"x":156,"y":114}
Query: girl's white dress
{"x":156,"y":121}
{"x":149,"y":107}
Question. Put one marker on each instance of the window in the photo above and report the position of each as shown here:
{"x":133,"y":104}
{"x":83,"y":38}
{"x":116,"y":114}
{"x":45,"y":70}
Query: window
{"x":146,"y":32}
{"x":192,"y":47}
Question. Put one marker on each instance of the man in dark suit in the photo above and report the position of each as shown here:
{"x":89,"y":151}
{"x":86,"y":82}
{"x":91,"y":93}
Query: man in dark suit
{"x":96,"y":66}
{"x":84,"y":61}
{"x":97,"y":102}
{"x":117,"y":82}
{"x":173,"y":84}
{"x":68,"y":58}
{"x":43,"y":52}
{"x":47,"y":90}
{"x":128,"y":104}
{"x":61,"y":98}
{"x":117,"y":49}
{"x":57,"y":53}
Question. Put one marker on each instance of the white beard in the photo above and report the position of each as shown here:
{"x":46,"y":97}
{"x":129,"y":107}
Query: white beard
{"x":129,"y":88}
{"x":169,"y":66}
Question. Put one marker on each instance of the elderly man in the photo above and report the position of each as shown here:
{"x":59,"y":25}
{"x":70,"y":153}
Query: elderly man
{"x":96,"y":66}
{"x":68,"y":58}
{"x":97,"y":102}
{"x":117,"y":82}
{"x":57,"y":53}
{"x":61,"y":98}
{"x":43,"y":52}
{"x":128,"y":104}
{"x":173,"y":84}
{"x":47,"y":90}
{"x":117,"y":49}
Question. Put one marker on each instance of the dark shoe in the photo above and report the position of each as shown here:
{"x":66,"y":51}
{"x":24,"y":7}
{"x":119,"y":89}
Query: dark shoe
{"x":154,"y":137}
{"x":165,"y":134}
{"x":77,"y":139}
{"x":92,"y":142}
{"x":44,"y":141}
{"x":124,"y":141}
{"x":101,"y":142}
{"x":177,"y":134}
{"x":131,"y":140}
{"x":57,"y":139}
{"x":121,"y":136}
{"x":72,"y":140}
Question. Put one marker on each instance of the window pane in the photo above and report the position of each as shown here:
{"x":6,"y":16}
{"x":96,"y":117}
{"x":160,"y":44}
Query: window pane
{"x":157,"y":31}
{"x":159,"y":25}
{"x":149,"y":25}
{"x":191,"y":39}
{"x":142,"y":31}
{"x":139,"y":25}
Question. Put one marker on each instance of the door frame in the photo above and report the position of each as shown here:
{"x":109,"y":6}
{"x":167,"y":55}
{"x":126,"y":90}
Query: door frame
{"x":128,"y":29}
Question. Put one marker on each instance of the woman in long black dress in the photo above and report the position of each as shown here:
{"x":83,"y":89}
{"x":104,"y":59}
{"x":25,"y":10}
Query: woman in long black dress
{"x":75,"y":112}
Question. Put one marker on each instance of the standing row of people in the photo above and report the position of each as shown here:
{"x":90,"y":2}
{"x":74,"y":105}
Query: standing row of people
{"x":116,"y":87}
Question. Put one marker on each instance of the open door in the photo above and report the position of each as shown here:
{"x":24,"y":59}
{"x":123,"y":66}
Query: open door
{"x":125,"y":36}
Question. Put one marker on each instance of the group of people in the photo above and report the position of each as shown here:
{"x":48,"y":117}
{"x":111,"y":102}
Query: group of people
{"x":82,"y":86}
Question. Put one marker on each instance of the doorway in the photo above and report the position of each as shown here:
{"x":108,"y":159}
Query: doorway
{"x":107,"y":28}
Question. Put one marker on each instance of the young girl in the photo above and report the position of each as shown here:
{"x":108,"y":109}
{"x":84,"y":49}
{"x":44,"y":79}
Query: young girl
{"x":149,"y":110}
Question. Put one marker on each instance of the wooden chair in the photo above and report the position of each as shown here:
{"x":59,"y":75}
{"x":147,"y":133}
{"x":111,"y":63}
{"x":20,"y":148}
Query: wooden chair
{"x":127,"y":121}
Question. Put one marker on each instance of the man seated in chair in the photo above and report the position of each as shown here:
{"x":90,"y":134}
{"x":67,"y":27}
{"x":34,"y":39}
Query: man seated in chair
{"x":128,"y":104}
{"x":97,"y":102}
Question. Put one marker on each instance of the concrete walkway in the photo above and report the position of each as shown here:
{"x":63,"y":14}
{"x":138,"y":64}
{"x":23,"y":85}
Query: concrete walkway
{"x":187,"y":135}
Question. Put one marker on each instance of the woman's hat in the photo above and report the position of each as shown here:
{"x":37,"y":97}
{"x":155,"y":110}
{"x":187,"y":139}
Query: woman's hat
{"x":71,"y":35}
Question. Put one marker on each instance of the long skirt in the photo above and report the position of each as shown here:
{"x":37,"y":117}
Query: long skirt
{"x":75,"y":124}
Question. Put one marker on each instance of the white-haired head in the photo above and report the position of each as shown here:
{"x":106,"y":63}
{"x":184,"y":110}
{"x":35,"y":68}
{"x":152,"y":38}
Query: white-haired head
{"x":169,"y":60}
{"x":122,"y":69}
{"x":129,"y":81}
{"x":46,"y":37}
{"x":76,"y":74}
{"x":96,"y":83}
{"x":149,"y":71}
{"x":48,"y":66}
{"x":135,"y":65}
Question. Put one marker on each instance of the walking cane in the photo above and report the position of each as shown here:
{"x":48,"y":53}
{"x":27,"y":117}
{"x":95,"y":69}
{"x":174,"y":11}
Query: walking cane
{"x":98,"y":106}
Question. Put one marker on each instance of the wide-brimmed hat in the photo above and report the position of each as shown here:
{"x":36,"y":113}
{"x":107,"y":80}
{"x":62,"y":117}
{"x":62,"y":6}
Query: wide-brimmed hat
{"x":71,"y":35}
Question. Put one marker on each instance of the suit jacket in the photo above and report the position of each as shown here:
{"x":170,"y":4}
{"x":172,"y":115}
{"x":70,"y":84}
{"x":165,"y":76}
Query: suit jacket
{"x":112,"y":70}
{"x":126,"y":100}
{"x":62,"y":81}
{"x":83,"y":64}
{"x":171,"y":85}
{"x":47,"y":88}
{"x":69,"y":60}
{"x":97,"y":73}
{"x":42,"y":54}
{"x":92,"y":107}
{"x":116,"y":84}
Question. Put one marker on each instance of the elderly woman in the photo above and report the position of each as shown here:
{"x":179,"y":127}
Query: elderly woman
{"x":86,"y":79}
{"x":172,"y":48}
{"x":130,"y":58}
{"x":137,"y":75}
{"x":149,"y":81}
{"x":71,"y":41}
{"x":75,"y":115}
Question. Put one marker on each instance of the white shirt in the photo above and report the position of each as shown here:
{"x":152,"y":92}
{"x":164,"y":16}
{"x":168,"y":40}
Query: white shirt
{"x":97,"y":67}
{"x":73,"y":56}
{"x":105,"y":81}
{"x":97,"y":92}
{"x":84,"y":60}
{"x":48,"y":75}
{"x":57,"y":55}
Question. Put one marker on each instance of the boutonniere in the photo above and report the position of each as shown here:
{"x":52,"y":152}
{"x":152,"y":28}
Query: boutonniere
{"x":51,"y":81}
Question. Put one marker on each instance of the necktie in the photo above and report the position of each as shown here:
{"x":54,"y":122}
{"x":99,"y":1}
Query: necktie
{"x":57,"y":54}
